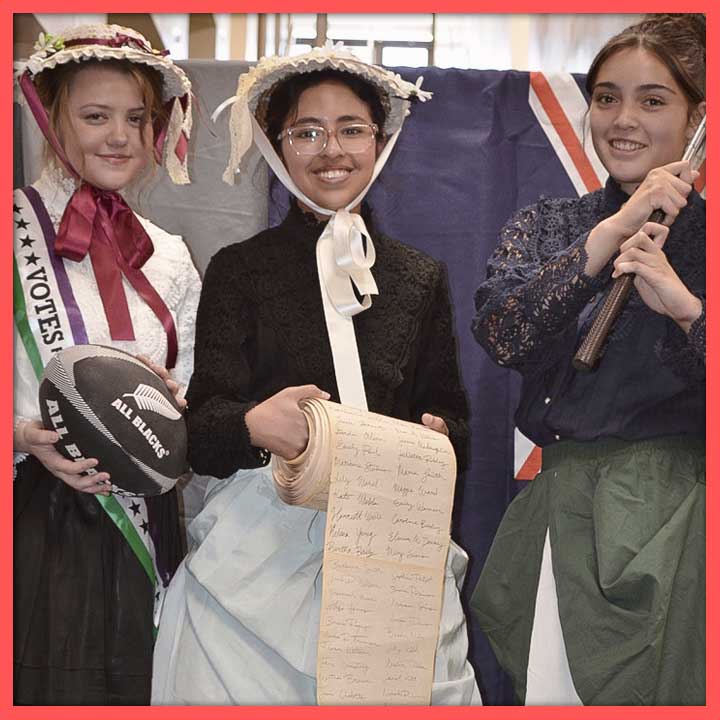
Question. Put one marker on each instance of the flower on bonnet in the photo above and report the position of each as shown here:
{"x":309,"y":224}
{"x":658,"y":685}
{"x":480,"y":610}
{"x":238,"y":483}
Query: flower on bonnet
{"x":49,"y":44}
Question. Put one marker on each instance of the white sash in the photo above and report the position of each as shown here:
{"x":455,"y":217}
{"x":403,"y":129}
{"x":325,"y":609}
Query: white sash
{"x":40,"y":276}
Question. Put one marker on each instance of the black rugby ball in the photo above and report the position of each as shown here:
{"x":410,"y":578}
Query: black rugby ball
{"x":107,"y":404}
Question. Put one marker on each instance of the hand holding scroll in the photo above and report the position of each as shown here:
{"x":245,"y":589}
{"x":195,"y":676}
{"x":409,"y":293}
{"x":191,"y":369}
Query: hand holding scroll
{"x":387,"y":486}
{"x":279,"y":425}
{"x":435,"y":423}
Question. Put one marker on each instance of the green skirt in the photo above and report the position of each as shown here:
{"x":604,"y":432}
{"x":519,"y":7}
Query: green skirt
{"x":627,"y":532}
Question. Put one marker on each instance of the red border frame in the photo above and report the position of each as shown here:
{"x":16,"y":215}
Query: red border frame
{"x":711,"y":710}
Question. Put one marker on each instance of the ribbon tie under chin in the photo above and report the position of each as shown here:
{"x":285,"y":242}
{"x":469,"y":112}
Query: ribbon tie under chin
{"x":345,"y":254}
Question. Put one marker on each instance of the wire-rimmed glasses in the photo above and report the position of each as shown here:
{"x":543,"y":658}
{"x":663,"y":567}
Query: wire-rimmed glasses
{"x":313,"y":139}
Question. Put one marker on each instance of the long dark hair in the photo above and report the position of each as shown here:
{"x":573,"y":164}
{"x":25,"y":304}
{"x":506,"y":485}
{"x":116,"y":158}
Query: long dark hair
{"x":678,"y":41}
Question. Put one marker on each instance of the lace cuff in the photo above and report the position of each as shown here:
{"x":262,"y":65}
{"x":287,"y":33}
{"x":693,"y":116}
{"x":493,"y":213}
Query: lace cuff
{"x":18,"y":457}
{"x":696,"y":334}
{"x":684,"y":353}
{"x":598,"y":281}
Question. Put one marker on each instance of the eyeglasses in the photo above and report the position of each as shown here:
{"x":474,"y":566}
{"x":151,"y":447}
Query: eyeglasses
{"x":313,"y":139}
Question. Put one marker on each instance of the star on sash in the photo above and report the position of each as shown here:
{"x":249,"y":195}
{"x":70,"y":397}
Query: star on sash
{"x":135,"y":508}
{"x":22,"y":223}
{"x":16,"y":208}
{"x":27,"y":241}
{"x":31,"y":259}
{"x":144,"y":526}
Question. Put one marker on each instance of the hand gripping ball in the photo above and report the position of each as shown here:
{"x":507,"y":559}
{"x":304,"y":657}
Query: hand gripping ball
{"x":107,"y":404}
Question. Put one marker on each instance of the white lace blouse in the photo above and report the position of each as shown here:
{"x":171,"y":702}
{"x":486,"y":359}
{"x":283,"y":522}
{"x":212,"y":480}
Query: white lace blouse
{"x":171,"y":272}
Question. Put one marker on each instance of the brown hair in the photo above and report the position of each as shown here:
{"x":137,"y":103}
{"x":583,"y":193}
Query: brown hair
{"x":53,"y":87}
{"x":678,"y":41}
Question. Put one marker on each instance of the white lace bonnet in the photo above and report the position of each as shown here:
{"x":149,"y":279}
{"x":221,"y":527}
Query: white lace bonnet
{"x":255,"y":88}
{"x":103,"y":42}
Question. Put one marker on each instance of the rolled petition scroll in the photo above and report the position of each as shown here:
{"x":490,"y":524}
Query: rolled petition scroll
{"x":388,"y":489}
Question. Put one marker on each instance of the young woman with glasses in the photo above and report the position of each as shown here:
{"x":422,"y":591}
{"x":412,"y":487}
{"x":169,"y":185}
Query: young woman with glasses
{"x":241,"y":622}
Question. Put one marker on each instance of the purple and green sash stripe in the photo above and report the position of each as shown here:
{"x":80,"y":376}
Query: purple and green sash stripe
{"x":110,"y":504}
{"x":22,"y":324}
{"x":77,"y":324}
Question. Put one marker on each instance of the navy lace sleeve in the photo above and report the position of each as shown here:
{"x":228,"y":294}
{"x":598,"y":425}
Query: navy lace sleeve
{"x":684,"y":353}
{"x":536,"y":285}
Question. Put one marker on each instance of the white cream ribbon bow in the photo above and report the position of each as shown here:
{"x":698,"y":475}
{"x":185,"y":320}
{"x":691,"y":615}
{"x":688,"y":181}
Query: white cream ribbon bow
{"x":345,"y":255}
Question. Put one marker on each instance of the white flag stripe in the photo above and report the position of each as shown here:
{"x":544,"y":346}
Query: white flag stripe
{"x":572,"y":100}
{"x":523,"y":448}
{"x":557,"y":143}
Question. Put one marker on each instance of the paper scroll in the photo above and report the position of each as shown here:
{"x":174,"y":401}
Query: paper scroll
{"x":388,"y":488}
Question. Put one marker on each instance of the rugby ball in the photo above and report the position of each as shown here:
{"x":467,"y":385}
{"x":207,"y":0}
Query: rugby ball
{"x":107,"y":404}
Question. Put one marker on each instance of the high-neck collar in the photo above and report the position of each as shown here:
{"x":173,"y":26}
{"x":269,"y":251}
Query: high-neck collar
{"x":310,"y":226}
{"x":614,"y":197}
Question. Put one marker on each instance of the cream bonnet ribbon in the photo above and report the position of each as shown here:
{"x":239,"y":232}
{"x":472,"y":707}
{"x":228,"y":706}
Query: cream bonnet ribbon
{"x":345,"y":255}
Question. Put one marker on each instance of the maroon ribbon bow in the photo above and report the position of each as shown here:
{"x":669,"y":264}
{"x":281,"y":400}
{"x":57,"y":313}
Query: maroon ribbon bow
{"x":100,"y":223}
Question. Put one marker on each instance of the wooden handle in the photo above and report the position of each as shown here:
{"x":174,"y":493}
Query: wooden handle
{"x":588,"y":353}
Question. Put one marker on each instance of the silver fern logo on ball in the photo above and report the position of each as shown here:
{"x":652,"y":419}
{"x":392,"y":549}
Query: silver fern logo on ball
{"x":149,"y":398}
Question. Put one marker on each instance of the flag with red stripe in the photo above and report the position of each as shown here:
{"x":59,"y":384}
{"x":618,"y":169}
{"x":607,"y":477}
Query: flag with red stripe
{"x":561,"y":110}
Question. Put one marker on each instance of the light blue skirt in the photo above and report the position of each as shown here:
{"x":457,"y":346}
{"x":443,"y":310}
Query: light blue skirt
{"x":241,"y":616}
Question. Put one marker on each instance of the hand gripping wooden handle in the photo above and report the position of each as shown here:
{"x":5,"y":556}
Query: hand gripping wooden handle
{"x":588,"y":353}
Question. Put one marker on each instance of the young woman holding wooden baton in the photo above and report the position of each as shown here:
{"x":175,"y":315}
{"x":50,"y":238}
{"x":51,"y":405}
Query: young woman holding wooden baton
{"x":594,"y":589}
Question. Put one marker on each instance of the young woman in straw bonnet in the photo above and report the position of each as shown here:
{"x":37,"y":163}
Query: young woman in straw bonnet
{"x":90,"y":566}
{"x":241,"y":621}
{"x":594,"y":589}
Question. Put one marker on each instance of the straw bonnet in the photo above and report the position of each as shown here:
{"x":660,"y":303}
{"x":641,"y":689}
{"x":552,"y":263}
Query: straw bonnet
{"x":105,"y":42}
{"x":255,"y":89}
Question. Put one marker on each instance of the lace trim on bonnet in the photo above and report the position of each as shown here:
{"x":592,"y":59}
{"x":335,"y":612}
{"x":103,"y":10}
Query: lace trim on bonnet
{"x":253,"y":92}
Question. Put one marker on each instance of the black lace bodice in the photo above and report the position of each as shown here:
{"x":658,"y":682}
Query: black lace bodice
{"x":537,"y":305}
{"x":261,"y":328}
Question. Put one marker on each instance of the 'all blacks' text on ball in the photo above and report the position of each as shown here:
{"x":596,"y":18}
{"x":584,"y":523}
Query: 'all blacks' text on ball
{"x":144,"y":429}
{"x":59,"y":426}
